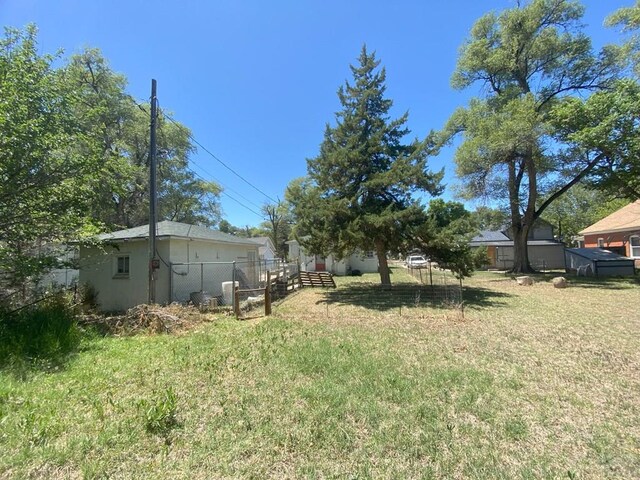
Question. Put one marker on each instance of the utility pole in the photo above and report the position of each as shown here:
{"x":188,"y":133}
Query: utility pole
{"x":153,"y":261}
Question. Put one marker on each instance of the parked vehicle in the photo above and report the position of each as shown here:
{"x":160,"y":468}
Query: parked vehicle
{"x":416,"y":261}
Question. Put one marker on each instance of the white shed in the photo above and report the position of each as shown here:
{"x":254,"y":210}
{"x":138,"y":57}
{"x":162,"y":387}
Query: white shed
{"x":267,"y":251}
{"x":364,"y":262}
{"x":118,"y":267}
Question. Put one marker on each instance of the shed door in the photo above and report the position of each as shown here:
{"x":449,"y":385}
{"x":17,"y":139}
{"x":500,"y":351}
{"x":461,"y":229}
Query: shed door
{"x":321,"y":264}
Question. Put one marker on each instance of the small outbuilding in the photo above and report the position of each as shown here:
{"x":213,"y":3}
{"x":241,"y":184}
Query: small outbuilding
{"x":267,"y":251}
{"x":597,"y":262}
{"x":117,"y":267}
{"x":545,"y":252}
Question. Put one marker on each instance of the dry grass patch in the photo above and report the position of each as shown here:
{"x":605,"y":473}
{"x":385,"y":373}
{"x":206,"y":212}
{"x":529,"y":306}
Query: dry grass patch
{"x":535,"y":382}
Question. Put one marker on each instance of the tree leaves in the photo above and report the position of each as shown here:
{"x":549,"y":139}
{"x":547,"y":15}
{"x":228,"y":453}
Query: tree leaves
{"x":359,"y":190}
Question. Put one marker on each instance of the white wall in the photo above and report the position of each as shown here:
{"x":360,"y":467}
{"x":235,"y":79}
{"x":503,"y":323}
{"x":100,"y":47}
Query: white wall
{"x":209,"y":277}
{"x":356,"y":261}
{"x":200,"y":251}
{"x":360,"y":261}
{"x":98,"y":268}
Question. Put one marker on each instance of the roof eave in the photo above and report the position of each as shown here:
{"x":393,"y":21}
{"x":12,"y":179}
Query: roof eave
{"x":632,"y":229}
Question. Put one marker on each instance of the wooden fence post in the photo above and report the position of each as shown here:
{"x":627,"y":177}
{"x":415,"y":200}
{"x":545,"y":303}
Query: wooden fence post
{"x":236,"y":301}
{"x":267,"y":295}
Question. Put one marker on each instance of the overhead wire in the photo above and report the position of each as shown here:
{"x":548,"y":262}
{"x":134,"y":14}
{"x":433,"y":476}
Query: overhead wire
{"x":194,"y":140}
{"x":223,"y":192}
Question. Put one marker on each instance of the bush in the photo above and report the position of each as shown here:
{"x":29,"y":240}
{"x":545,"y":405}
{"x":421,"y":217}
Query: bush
{"x":46,"y":331}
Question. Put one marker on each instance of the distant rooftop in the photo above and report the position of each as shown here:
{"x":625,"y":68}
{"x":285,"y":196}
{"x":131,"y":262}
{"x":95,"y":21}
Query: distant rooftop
{"x":176,"y":230}
{"x":627,"y":218}
{"x":490,"y":236}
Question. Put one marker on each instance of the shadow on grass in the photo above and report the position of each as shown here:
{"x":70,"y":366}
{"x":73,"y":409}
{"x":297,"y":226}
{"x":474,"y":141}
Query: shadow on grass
{"x":612,"y":283}
{"x":479,"y":297}
{"x":609,"y":283}
{"x":374,"y":297}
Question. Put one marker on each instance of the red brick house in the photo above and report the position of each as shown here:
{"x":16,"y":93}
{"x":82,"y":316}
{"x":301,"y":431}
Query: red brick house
{"x":619,"y":232}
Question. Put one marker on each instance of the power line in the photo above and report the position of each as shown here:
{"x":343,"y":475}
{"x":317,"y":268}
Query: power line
{"x":226,"y":187}
{"x":227,"y":195}
{"x":141,"y":107}
{"x":217,"y":159}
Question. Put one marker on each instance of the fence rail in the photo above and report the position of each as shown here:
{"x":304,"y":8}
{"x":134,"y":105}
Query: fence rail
{"x":214,"y":284}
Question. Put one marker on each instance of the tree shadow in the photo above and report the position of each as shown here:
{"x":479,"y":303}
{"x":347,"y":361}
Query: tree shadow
{"x":374,"y":297}
{"x":610,"y":283}
{"x":478,"y":297}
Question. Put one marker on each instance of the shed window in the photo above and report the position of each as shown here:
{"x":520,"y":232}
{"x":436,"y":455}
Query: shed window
{"x":122,"y":266}
{"x":370,"y":254}
{"x":635,"y":246}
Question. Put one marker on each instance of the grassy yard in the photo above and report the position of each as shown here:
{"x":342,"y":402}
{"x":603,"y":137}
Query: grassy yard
{"x":531,"y":382}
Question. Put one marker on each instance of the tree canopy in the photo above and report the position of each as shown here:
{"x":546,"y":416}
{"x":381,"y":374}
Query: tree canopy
{"x":46,"y":175}
{"x":445,"y":234}
{"x":359,"y":190}
{"x":74,"y":157}
{"x":529,"y":59}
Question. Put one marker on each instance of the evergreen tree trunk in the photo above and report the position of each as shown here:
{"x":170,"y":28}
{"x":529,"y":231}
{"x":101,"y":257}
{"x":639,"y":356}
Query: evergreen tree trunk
{"x":383,"y":266}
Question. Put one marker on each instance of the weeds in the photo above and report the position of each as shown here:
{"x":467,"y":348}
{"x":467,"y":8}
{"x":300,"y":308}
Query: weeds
{"x":45,"y":332}
{"x":159,"y":412}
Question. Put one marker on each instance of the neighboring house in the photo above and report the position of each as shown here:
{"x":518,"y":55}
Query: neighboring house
{"x":267,"y":250}
{"x":619,"y":233}
{"x":364,"y":262}
{"x":544,"y":251}
{"x":118,"y":268}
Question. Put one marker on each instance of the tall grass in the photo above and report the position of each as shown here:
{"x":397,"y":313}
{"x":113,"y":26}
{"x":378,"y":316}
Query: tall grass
{"x":45,"y":331}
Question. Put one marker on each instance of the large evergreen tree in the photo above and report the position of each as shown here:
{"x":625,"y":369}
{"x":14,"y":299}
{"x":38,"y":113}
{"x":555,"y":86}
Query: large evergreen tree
{"x":358,"y":193}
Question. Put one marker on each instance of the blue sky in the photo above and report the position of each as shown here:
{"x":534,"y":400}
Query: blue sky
{"x":256,"y":81}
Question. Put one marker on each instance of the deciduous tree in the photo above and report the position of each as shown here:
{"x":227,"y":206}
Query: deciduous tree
{"x":528,"y":59}
{"x":119,"y":128}
{"x":45,"y":180}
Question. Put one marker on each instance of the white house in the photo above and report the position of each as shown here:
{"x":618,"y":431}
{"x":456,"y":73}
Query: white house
{"x":364,"y":262}
{"x":118,"y":267}
{"x":267,"y":250}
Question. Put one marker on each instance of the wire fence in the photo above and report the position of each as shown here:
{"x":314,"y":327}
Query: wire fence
{"x":443,"y":286}
{"x":436,"y":292}
{"x":212,"y":284}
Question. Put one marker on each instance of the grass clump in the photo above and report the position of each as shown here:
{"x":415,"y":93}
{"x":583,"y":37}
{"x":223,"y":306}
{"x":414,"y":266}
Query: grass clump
{"x":45,"y":332}
{"x":159,"y":412}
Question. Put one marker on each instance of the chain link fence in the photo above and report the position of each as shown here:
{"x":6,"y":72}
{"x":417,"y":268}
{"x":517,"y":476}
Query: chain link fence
{"x":211,"y":284}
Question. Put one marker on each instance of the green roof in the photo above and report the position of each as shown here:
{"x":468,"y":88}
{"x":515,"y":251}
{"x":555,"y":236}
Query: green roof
{"x":177,"y":230}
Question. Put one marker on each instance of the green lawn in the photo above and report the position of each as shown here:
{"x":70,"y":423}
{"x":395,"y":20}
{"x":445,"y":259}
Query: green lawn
{"x":531,"y":382}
